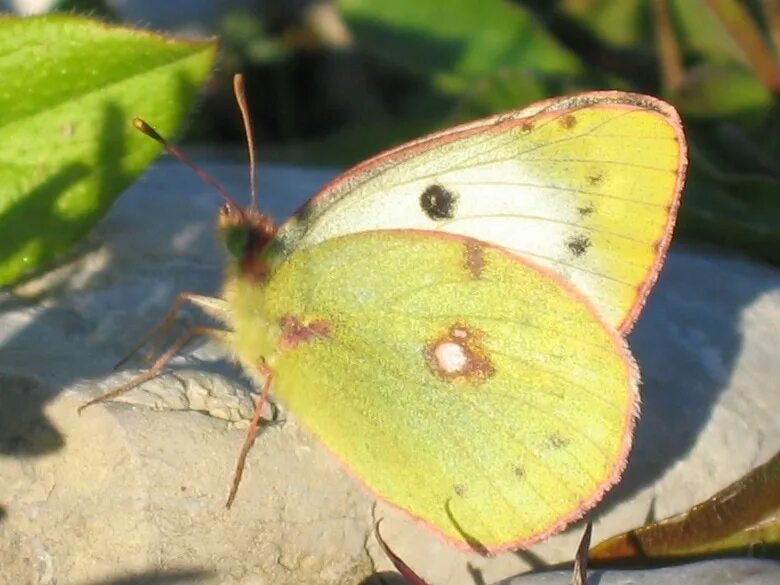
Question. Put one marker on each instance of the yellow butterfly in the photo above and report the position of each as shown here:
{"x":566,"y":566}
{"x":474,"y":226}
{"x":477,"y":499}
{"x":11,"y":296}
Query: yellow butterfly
{"x":447,"y":317}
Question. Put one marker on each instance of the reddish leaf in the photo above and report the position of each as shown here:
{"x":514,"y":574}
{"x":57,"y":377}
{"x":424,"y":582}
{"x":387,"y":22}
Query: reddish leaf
{"x":744,"y":517}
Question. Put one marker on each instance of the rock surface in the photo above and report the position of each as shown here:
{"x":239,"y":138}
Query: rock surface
{"x":136,"y":488}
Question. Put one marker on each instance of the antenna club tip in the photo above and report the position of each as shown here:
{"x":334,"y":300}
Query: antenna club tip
{"x":145,"y":128}
{"x":238,"y":82}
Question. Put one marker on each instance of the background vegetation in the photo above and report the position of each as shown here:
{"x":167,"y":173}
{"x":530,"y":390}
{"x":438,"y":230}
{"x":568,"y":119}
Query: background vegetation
{"x":334,"y":82}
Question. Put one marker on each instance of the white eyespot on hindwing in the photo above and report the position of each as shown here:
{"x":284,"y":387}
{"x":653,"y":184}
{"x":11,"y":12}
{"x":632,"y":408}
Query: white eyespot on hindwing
{"x":458,"y":355}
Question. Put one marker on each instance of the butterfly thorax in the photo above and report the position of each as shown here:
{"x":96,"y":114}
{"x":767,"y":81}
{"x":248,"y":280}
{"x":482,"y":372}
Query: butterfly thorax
{"x":255,"y":325}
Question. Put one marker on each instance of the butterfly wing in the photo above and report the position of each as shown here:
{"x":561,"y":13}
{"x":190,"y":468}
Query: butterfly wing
{"x":587,"y":185}
{"x":480,"y":393}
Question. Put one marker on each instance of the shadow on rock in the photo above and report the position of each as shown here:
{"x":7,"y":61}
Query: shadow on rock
{"x":24,"y":429}
{"x":688,"y":342}
{"x":171,"y":577}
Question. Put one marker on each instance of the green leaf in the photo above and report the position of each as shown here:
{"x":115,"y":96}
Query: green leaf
{"x":723,"y":90}
{"x":458,"y":42}
{"x":622,"y":24}
{"x":703,"y":33}
{"x":742,"y":518}
{"x":737,"y":210}
{"x":506,"y":89}
{"x":71,"y":87}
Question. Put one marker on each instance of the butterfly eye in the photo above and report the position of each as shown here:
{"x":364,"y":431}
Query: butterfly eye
{"x":236,"y":240}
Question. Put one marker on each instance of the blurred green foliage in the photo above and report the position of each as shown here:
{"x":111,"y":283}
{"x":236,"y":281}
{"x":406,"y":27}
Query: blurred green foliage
{"x":334,"y":82}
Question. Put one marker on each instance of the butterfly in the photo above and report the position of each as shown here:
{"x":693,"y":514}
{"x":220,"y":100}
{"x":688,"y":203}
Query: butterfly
{"x":448,"y":317}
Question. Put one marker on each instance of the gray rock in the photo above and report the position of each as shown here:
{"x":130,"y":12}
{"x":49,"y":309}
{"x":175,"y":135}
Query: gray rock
{"x":136,"y":488}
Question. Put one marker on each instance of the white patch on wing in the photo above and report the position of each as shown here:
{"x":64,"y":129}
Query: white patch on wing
{"x":451,"y":357}
{"x":499,"y":195}
{"x":501,"y":203}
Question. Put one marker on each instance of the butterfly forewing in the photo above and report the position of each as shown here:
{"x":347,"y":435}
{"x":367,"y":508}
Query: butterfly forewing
{"x":587,"y":186}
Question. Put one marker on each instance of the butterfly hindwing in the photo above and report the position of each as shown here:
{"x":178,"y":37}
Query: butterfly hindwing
{"x":480,"y":393}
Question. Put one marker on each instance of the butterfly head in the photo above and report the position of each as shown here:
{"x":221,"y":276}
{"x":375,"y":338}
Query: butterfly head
{"x":246,"y":232}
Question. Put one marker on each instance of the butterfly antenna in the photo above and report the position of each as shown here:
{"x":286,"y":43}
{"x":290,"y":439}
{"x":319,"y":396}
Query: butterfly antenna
{"x":240,"y":91}
{"x":146,"y":129}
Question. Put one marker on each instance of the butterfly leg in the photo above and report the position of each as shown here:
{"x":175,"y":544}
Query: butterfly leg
{"x":406,"y":571}
{"x":159,"y":363}
{"x":251,"y":433}
{"x":216,"y":307}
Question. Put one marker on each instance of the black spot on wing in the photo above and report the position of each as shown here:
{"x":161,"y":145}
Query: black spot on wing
{"x":568,"y":121}
{"x":586,"y":210}
{"x":438,"y":202}
{"x":556,"y":441}
{"x":578,"y":245}
{"x":595,"y":178}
